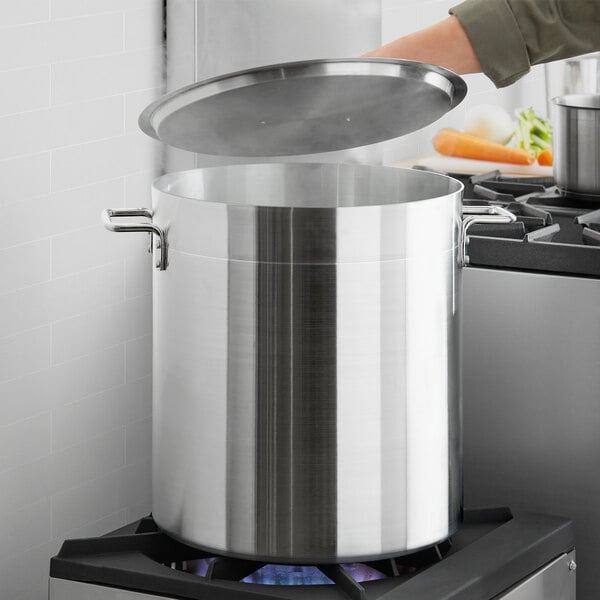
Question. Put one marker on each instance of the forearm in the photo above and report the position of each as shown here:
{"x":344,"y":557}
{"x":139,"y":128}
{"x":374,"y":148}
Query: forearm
{"x":503,"y":38}
{"x":445,"y":44}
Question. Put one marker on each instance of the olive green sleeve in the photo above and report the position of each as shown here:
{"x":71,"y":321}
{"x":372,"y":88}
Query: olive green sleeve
{"x":509,"y":36}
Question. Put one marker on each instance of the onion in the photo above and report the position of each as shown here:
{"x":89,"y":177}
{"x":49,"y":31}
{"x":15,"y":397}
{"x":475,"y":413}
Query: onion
{"x":490,"y":122}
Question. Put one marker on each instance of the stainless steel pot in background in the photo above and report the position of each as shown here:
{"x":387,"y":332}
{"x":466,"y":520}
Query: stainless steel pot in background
{"x":577,"y":144}
{"x":307,"y":359}
{"x":576,"y":75}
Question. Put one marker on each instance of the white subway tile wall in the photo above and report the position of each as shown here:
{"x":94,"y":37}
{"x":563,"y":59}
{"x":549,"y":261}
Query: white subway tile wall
{"x":75,"y":301}
{"x":24,"y":89}
{"x":18,"y":184}
{"x":60,"y":39}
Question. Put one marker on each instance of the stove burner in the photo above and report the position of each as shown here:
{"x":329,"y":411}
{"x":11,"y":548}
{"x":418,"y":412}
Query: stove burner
{"x":554,"y":232}
{"x":295,"y":575}
{"x":288,"y":575}
{"x":348,"y":577}
{"x":197,"y":567}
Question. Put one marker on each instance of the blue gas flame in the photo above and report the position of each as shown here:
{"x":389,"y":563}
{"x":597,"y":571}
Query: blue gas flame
{"x":291,"y":574}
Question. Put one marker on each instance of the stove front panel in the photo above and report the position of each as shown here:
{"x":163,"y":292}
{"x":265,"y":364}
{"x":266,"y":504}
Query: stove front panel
{"x":531,"y":381}
{"x":554,"y":582}
{"x":62,"y":589}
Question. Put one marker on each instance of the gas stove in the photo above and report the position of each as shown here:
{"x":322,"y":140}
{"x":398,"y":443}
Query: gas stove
{"x":553,"y":233}
{"x":495,"y":554}
{"x":531,"y":366}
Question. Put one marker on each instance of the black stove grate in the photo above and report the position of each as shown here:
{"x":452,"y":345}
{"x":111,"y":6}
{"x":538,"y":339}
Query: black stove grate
{"x":348,"y":577}
{"x":554,"y":233}
{"x":492,"y":550}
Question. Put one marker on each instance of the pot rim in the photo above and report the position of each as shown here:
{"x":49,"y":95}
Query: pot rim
{"x":399,"y":185}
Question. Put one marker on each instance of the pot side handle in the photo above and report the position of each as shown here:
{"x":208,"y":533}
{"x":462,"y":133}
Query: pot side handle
{"x":480,"y":214}
{"x":108,"y":214}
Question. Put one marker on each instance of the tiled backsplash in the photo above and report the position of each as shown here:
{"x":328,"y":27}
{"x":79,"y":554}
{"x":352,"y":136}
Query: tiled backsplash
{"x":75,"y":303}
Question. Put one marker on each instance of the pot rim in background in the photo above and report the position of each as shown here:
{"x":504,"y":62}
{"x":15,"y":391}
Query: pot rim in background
{"x":578,"y":101}
{"x":576,"y":121}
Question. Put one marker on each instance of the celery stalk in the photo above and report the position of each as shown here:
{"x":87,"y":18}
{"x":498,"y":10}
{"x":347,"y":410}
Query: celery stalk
{"x":533,"y":133}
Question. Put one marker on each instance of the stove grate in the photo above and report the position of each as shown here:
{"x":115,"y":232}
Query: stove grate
{"x":348,"y":577}
{"x":492,"y":549}
{"x":554,"y":232}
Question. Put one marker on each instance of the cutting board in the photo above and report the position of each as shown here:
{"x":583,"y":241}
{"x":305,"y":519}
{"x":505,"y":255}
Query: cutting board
{"x":447,"y":164}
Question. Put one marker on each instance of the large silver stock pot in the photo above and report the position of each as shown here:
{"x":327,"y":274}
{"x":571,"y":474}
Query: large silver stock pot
{"x":306,"y":358}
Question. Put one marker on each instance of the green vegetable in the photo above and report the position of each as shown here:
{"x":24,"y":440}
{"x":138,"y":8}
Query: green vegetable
{"x":533,"y":134}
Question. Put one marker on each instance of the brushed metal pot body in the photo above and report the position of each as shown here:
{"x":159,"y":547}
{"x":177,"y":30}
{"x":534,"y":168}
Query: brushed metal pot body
{"x":577,"y":144}
{"x":307,"y":358}
{"x":307,"y":361}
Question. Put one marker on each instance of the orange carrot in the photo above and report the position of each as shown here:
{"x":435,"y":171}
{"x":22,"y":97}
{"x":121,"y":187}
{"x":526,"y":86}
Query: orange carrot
{"x":545,"y":158}
{"x":451,"y":142}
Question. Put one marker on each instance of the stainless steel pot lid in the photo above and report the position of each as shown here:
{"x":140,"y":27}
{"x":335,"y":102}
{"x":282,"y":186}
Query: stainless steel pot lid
{"x":304,"y":107}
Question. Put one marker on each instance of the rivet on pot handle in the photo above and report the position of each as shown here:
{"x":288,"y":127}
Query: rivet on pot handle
{"x":108,"y":214}
{"x":481,"y":214}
